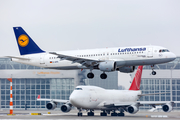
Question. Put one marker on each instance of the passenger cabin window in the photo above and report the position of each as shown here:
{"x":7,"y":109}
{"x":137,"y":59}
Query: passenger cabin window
{"x":163,"y":50}
{"x":78,"y":88}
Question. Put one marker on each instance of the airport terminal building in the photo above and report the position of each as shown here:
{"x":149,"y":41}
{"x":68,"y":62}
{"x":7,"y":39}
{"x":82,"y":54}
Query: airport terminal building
{"x":30,"y":81}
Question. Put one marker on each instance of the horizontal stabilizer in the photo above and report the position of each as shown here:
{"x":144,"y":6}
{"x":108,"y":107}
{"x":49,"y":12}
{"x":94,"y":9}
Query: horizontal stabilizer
{"x":21,"y":58}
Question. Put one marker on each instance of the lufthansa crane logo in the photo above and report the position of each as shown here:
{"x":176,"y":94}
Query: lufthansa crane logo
{"x":23,"y":40}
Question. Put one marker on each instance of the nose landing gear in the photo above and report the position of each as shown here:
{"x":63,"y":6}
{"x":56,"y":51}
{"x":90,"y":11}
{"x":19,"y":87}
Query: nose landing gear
{"x":80,"y":112}
{"x":153,"y":72}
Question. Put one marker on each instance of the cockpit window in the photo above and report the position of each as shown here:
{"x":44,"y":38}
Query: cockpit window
{"x":78,"y":88}
{"x":164,"y":50}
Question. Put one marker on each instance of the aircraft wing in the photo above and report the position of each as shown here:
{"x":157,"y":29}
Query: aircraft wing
{"x":152,"y":94}
{"x":139,"y":103}
{"x":84,"y":61}
{"x":157,"y":102}
{"x":53,"y":100}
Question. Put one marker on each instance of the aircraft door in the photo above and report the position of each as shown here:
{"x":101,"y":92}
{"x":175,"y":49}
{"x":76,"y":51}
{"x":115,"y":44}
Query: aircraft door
{"x":150,"y":52}
{"x":107,"y":56}
{"x":93,"y":96}
{"x":42,"y":59}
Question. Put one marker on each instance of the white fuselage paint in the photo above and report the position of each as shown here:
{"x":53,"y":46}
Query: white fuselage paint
{"x":92,"y":97}
{"x":150,"y":56}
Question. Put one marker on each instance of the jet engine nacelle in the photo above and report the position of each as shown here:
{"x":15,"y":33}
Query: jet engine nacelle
{"x":65,"y":108}
{"x":133,"y":109}
{"x":167,"y":108}
{"x":51,"y":106}
{"x":107,"y":66}
{"x":127,"y":69}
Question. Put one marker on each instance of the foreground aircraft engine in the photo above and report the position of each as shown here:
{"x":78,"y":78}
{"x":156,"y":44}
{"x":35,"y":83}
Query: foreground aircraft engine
{"x":127,"y":69}
{"x":107,"y":66}
{"x":167,"y":108}
{"x":51,"y":106}
{"x":133,"y":109}
{"x":66,"y":108}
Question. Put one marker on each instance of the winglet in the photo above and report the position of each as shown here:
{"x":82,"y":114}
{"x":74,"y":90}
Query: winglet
{"x":38,"y":97}
{"x":137,"y":79}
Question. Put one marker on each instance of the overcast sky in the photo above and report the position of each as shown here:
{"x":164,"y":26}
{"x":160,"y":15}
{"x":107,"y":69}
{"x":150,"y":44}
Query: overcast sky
{"x":57,"y":25}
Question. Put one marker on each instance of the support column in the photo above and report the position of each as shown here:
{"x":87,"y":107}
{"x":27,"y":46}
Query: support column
{"x":11,"y":98}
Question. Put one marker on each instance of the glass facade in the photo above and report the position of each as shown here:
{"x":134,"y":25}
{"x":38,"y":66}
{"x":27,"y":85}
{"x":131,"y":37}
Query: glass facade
{"x":25,"y":91}
{"x":111,"y":82}
{"x":166,"y":66}
{"x":6,"y":63}
{"x":160,"y":86}
{"x":30,"y":81}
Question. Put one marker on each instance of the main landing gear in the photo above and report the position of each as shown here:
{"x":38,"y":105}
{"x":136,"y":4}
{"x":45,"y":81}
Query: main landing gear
{"x":153,"y":72}
{"x":91,"y":75}
{"x":117,"y":114}
{"x":91,"y":113}
{"x":103,"y":113}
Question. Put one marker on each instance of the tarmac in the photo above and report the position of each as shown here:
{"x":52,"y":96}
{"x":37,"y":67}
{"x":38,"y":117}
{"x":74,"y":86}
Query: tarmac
{"x":72,"y":115}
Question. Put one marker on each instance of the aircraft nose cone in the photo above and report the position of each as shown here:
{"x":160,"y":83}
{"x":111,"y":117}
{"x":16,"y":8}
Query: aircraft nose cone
{"x":74,"y":100}
{"x":173,"y":56}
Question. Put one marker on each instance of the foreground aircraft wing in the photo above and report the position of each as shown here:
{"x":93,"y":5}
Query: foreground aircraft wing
{"x":84,"y":61}
{"x":54,"y":100}
{"x":157,"y":102}
{"x":151,"y":94}
{"x":139,"y":103}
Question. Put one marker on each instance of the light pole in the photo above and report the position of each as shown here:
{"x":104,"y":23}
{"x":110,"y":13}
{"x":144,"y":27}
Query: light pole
{"x":171,"y":83}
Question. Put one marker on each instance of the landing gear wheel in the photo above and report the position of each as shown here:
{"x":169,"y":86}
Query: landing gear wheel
{"x":114,"y":114}
{"x":153,"y":72}
{"x":121,"y":114}
{"x":90,"y":114}
{"x":90,"y":75}
{"x":103,"y":114}
{"x":79,"y":114}
{"x":103,"y":76}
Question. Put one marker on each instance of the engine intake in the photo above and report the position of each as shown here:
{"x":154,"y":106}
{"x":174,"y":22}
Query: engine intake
{"x":51,"y":106}
{"x":65,"y":108}
{"x":107,"y":66}
{"x":127,"y":69}
{"x":167,"y":108}
{"x":133,"y":109}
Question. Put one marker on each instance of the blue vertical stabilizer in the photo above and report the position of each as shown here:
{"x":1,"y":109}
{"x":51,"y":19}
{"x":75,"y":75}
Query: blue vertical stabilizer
{"x":25,"y":43}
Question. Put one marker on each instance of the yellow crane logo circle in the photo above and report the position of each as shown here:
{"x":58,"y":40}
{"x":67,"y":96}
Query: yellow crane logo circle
{"x":23,"y":40}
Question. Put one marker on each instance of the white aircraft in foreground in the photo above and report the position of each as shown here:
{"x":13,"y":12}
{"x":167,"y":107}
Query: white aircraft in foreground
{"x":95,"y":98}
{"x":123,"y":59}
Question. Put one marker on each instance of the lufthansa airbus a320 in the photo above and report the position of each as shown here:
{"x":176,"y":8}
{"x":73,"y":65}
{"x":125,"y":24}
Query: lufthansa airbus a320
{"x":123,"y":59}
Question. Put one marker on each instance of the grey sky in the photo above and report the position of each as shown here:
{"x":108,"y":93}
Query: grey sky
{"x":57,"y":25}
